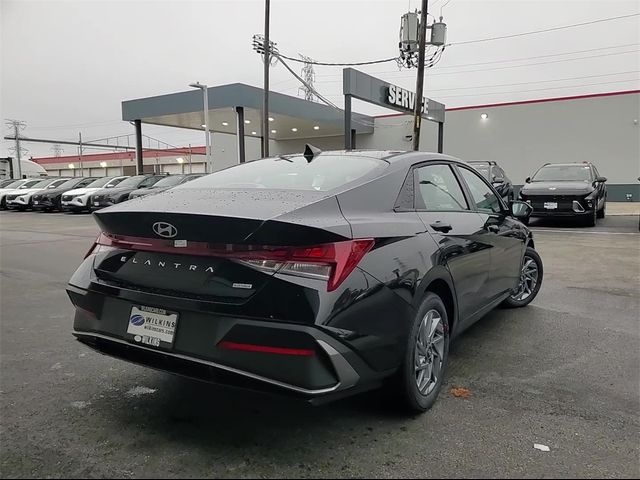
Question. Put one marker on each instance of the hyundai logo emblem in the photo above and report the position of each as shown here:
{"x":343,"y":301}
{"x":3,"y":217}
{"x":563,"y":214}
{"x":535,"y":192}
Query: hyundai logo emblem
{"x":137,"y":320}
{"x":165,"y":229}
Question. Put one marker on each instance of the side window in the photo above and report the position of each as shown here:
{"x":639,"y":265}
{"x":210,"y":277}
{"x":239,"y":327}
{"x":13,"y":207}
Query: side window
{"x":498,"y":173}
{"x":483,"y":196}
{"x":438,"y":189}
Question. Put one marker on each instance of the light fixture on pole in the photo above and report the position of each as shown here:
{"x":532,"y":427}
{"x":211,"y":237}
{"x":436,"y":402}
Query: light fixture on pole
{"x":206,"y":125}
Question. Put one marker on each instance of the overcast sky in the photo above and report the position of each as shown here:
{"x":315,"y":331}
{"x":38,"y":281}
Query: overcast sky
{"x":67,"y":65}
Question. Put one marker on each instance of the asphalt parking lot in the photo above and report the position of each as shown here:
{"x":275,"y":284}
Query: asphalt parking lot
{"x":563,"y":372}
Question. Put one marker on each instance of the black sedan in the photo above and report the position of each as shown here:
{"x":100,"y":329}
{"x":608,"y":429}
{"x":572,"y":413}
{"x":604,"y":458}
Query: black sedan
{"x":318,"y":275}
{"x":562,"y":190}
{"x":497,"y":176}
{"x":51,"y":199}
{"x":120,"y":193}
{"x":165,"y":184}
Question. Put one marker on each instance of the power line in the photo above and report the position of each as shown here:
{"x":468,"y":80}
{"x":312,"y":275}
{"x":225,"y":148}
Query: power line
{"x":506,"y":67}
{"x":535,"y":32}
{"x":329,"y":64}
{"x":522,"y":59}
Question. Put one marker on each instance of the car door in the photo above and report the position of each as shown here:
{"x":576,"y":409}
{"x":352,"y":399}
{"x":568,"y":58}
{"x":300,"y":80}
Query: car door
{"x":458,"y":230}
{"x":505,"y":234}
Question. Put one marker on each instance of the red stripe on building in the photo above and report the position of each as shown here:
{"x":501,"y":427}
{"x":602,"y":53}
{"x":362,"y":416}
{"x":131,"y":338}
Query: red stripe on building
{"x":131,"y":156}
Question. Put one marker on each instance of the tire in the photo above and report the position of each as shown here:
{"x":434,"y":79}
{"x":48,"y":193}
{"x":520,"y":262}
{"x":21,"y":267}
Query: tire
{"x":591,"y":220}
{"x":3,"y":204}
{"x":405,"y":384}
{"x":603,"y":211}
{"x":520,"y":298}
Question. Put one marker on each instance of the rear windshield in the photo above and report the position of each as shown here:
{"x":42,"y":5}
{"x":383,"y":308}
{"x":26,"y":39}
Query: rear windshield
{"x":560,"y":173}
{"x":324,"y":173}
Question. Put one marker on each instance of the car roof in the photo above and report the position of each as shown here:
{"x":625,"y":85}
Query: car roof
{"x":568,"y":164}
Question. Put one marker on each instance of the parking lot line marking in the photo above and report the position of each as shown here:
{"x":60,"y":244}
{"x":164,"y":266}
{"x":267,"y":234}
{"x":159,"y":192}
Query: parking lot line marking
{"x":556,"y":230}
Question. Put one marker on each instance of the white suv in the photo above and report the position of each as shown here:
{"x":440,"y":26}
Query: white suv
{"x":77,"y":200}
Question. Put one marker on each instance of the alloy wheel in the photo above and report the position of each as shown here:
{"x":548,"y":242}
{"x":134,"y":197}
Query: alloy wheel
{"x":528,"y":279}
{"x":429,"y":352}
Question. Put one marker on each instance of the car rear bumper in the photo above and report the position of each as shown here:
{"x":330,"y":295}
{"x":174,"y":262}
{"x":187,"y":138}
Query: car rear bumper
{"x":334,"y":369}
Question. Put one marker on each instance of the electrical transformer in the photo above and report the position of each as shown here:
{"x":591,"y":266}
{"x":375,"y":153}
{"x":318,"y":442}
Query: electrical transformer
{"x":438,"y":33}
{"x":409,"y":33}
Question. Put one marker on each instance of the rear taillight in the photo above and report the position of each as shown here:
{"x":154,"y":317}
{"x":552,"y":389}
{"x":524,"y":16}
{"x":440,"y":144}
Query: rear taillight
{"x":332,"y":262}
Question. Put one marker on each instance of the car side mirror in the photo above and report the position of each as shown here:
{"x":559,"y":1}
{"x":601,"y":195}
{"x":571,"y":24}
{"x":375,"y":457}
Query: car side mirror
{"x":497,"y":181}
{"x":601,"y":179}
{"x":528,"y":180}
{"x":521,"y":210}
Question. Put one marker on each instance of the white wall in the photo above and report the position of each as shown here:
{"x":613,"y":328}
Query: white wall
{"x":523,"y":137}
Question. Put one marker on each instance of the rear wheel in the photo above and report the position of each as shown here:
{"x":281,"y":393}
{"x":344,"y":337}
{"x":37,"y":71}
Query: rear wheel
{"x":420,"y":378}
{"x":530,"y":281}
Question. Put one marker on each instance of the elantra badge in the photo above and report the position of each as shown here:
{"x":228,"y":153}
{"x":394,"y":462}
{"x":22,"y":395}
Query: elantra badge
{"x":165,"y":229}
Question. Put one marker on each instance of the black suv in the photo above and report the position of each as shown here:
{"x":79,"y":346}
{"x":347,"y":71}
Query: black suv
{"x":567,"y":190}
{"x":495,"y":174}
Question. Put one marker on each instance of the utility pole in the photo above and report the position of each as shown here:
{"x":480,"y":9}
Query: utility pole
{"x":417,"y":112}
{"x":80,"y":153}
{"x":267,"y":62}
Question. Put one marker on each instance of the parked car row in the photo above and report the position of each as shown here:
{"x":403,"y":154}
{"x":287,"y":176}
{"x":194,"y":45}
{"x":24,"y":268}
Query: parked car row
{"x":79,"y":194}
{"x":556,"y":190}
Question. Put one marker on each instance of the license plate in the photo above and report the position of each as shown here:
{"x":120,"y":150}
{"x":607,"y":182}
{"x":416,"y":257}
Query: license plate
{"x":152,"y":326}
{"x":550,"y":205}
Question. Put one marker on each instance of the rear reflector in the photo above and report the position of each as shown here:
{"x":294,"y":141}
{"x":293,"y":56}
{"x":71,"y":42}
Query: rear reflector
{"x":332,"y":262}
{"x":247,"y":347}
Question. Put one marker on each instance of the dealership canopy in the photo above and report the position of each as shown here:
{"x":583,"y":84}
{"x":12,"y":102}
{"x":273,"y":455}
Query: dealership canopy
{"x":185,"y":110}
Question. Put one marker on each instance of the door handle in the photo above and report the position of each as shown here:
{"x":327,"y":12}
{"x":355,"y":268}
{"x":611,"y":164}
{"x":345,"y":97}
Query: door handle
{"x":493,"y":228}
{"x":441,"y":227}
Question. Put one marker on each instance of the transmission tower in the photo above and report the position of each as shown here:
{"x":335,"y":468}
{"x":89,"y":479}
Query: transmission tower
{"x":17,"y":126}
{"x":309,"y":76}
{"x":57,"y":150}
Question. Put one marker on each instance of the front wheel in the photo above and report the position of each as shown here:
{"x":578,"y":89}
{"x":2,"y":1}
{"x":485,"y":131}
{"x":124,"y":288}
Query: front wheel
{"x":420,"y":378}
{"x":530,"y":281}
{"x":592,"y":219}
{"x":603,"y":211}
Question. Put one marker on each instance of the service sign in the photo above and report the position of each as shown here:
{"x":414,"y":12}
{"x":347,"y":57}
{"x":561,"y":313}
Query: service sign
{"x":399,"y":97}
{"x":374,"y":90}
